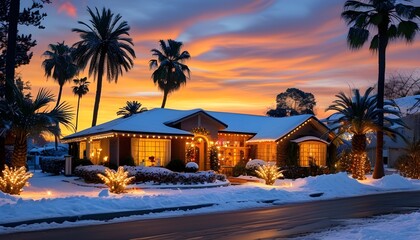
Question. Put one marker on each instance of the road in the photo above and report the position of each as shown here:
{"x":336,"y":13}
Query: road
{"x":263,"y":223}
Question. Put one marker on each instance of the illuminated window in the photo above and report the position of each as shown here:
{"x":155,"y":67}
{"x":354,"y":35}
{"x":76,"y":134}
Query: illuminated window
{"x":95,"y":152}
{"x":312,"y":151}
{"x":151,"y":152}
{"x":266,"y":151}
{"x":82,"y":150}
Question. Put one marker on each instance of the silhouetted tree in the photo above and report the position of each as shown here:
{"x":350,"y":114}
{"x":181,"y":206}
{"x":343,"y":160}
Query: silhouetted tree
{"x":132,"y":107}
{"x":170,"y":71}
{"x":105,"y":47}
{"x":80,"y":89}
{"x":293,"y":102}
{"x":399,"y":85}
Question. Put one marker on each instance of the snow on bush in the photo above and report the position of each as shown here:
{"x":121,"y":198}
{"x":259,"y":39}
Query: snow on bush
{"x":156,"y":175}
{"x":191,"y":167}
{"x":254,"y":164}
{"x":90,"y":173}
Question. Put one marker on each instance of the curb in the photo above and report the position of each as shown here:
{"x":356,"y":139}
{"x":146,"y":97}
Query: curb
{"x":104,"y":216}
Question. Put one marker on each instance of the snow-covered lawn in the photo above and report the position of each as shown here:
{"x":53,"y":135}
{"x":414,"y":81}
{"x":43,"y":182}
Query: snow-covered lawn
{"x":58,"y":196}
{"x":401,"y":226}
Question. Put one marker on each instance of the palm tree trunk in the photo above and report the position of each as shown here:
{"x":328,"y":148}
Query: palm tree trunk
{"x":59,"y":95}
{"x":165,"y":96}
{"x":20,"y":150}
{"x":359,"y":157}
{"x":77,"y":113}
{"x":378,"y":171}
{"x":11,"y":48}
{"x":2,"y":153}
{"x":98,"y":88}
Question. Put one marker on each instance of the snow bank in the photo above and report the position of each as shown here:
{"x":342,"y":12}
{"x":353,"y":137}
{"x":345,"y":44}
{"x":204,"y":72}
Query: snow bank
{"x":339,"y":184}
{"x":394,"y":181}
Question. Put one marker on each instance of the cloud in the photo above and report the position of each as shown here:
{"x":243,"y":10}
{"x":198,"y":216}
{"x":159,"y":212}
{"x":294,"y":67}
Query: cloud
{"x":68,"y":8}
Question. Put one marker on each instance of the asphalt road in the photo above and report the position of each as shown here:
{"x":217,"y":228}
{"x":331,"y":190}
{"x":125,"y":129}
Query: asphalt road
{"x":263,"y":223}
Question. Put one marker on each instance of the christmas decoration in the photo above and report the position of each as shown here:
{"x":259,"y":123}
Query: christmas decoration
{"x":201,"y":131}
{"x":214,"y":158}
{"x":269,"y":173}
{"x":116,"y":181}
{"x":14,"y":179}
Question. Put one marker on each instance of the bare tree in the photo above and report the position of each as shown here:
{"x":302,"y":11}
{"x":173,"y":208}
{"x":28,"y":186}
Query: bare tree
{"x":400,"y":85}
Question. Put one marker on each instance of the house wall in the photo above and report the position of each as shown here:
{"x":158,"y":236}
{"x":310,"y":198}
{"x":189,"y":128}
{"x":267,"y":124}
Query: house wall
{"x":125,"y":148}
{"x":178,"y":149}
{"x":394,"y":149}
{"x":283,"y":146}
{"x":114,"y":152}
{"x":201,"y":120}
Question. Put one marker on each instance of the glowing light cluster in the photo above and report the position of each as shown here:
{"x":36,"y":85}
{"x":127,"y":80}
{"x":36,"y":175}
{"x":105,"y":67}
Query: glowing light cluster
{"x":14,"y":179}
{"x":270,"y":173}
{"x":116,"y":181}
{"x":359,"y":168}
{"x":294,"y":130}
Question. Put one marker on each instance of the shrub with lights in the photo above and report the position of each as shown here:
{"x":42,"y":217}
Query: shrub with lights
{"x":13,"y":179}
{"x":409,"y":164}
{"x":270,"y":173}
{"x":116,"y":180}
{"x":214,"y":158}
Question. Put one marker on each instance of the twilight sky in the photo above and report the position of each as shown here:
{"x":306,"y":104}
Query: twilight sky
{"x":244,"y":52}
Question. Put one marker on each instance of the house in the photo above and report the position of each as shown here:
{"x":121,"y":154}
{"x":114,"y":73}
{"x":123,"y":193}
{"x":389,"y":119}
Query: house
{"x":410,"y":113}
{"x":157,"y":136}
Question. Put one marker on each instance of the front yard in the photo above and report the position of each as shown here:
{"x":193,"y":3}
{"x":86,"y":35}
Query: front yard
{"x":57,"y":196}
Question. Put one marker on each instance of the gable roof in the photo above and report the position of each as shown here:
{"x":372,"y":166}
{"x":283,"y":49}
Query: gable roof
{"x":158,"y":121}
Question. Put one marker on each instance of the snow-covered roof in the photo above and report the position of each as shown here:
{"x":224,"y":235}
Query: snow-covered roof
{"x":156,"y":121}
{"x":309,"y":138}
{"x":264,"y":128}
{"x":408,"y":105}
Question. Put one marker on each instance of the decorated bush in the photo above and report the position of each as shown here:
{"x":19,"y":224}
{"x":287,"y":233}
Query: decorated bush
{"x":13,"y":179}
{"x":270,"y":173}
{"x":214,"y":159}
{"x":409,"y":164}
{"x":116,"y":180}
{"x":191,"y":167}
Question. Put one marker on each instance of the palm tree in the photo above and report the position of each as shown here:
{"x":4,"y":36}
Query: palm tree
{"x":105,"y":47}
{"x":391,"y":21}
{"x":32,"y":119}
{"x":358,"y":115}
{"x":59,"y":65}
{"x":132,"y":107}
{"x":80,"y":89}
{"x":170,"y":72}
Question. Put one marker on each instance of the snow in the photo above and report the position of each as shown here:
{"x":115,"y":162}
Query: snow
{"x":192,"y":165}
{"x":58,"y":196}
{"x":403,"y":226}
{"x":158,"y":120}
{"x":254,"y":163}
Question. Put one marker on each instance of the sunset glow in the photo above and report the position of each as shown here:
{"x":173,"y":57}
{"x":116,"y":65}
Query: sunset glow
{"x":243,"y":53}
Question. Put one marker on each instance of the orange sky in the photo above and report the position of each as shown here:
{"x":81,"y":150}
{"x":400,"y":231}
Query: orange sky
{"x":243,"y":52}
